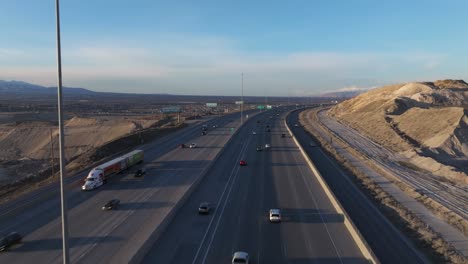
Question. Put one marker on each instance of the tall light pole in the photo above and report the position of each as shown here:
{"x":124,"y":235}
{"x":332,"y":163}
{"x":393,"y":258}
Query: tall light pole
{"x":242,"y":100}
{"x":66,"y":257}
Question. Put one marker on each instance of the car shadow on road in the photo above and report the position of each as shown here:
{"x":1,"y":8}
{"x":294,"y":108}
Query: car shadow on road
{"x":56,"y":243}
{"x":330,"y":260}
{"x":142,"y":205}
{"x":291,"y":164}
{"x":310,"y":216}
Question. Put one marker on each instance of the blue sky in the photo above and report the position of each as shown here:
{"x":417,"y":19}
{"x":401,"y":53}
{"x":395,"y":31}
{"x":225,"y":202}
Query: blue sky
{"x":299,"y":48}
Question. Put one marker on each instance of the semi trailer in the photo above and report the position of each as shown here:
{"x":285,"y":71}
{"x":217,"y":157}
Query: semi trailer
{"x":100,"y":174}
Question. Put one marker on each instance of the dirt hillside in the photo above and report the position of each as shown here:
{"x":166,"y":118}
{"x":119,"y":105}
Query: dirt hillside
{"x":427,"y":122}
{"x":28,"y":145}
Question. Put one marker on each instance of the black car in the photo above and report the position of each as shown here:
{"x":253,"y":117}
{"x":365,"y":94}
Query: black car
{"x":140,"y":173}
{"x":204,"y":208}
{"x":112,"y":204}
{"x":9,"y":240}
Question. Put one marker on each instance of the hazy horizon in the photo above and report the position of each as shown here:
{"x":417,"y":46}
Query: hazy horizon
{"x":303,"y":48}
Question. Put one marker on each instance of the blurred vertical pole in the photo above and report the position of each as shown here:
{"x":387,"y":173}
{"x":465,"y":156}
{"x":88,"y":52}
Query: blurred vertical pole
{"x":66,"y":258}
{"x":242,"y":100}
{"x":52,"y":152}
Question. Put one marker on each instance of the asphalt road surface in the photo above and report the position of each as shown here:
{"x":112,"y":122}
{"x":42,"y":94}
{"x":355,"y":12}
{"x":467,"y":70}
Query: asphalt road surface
{"x":387,"y":243}
{"x":110,"y":236}
{"x":311,"y":230}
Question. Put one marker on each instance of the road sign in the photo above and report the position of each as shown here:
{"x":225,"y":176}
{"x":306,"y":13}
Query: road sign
{"x":211,"y":104}
{"x":239,"y":102}
{"x":260,"y":107}
{"x":171,"y":109}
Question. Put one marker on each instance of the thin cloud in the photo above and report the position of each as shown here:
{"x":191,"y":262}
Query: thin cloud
{"x":190,"y":64}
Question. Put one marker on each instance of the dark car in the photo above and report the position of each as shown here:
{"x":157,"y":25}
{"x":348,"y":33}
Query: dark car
{"x":204,"y":208}
{"x":112,"y":204}
{"x":9,"y":240}
{"x":140,"y":173}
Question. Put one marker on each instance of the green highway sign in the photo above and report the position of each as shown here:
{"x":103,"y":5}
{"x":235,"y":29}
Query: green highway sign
{"x":211,"y":104}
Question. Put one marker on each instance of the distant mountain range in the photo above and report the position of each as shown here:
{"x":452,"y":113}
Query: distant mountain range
{"x":24,"y":88}
{"x":27,"y":91}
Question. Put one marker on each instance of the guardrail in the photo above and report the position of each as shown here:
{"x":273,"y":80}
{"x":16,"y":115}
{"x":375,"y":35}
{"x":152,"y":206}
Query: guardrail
{"x":355,"y":234}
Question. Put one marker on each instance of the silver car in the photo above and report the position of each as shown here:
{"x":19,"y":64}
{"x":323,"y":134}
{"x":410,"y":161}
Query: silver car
{"x":240,"y":257}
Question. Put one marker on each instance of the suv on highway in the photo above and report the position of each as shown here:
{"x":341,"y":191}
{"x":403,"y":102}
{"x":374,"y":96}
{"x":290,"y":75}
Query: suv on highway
{"x":240,"y":257}
{"x":112,"y":204}
{"x":204,"y":208}
{"x":275,"y":215}
{"x":9,"y":240}
{"x":139,"y":173}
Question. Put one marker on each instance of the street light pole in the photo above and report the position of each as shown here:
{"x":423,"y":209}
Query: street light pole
{"x":66,"y":257}
{"x":242,"y":100}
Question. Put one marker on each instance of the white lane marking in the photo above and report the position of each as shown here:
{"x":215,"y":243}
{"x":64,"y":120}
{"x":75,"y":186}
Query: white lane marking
{"x":144,"y":196}
{"x":233,"y":173}
{"x":307,"y":184}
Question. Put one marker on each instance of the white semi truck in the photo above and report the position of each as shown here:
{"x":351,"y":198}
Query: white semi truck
{"x":99,"y":175}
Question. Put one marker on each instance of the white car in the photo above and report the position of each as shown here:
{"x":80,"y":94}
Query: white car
{"x":193,"y":145}
{"x":275,"y":215}
{"x":240,"y":257}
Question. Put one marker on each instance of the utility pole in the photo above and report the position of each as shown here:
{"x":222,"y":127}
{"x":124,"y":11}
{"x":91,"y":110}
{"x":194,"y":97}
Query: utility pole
{"x":66,"y":257}
{"x":242,"y":100}
{"x":52,"y":152}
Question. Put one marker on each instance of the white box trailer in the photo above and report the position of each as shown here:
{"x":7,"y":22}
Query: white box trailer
{"x":99,"y":175}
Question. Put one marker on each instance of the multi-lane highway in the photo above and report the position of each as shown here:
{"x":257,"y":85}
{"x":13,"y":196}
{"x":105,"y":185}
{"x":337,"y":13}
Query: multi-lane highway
{"x":311,"y":230}
{"x":112,"y":237}
{"x":387,"y":243}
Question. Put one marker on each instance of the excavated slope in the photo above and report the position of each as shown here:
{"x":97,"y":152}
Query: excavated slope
{"x":425,"y":118}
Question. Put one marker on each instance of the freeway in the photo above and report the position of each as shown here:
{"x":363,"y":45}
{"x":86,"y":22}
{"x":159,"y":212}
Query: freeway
{"x":103,"y":237}
{"x":387,"y":243}
{"x":311,"y":230}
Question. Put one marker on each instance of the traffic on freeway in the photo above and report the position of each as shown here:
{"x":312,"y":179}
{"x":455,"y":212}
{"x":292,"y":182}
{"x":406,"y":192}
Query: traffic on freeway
{"x":144,"y":199}
{"x":271,"y":208}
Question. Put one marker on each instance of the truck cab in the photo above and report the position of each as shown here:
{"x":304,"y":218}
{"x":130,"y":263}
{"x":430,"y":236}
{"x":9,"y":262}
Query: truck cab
{"x":93,"y":180}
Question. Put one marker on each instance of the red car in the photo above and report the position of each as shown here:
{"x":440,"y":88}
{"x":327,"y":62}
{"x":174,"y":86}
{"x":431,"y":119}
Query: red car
{"x":243,"y":163}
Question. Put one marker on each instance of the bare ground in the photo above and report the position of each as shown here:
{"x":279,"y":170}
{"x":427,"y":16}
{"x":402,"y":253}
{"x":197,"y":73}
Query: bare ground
{"x":424,"y":237}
